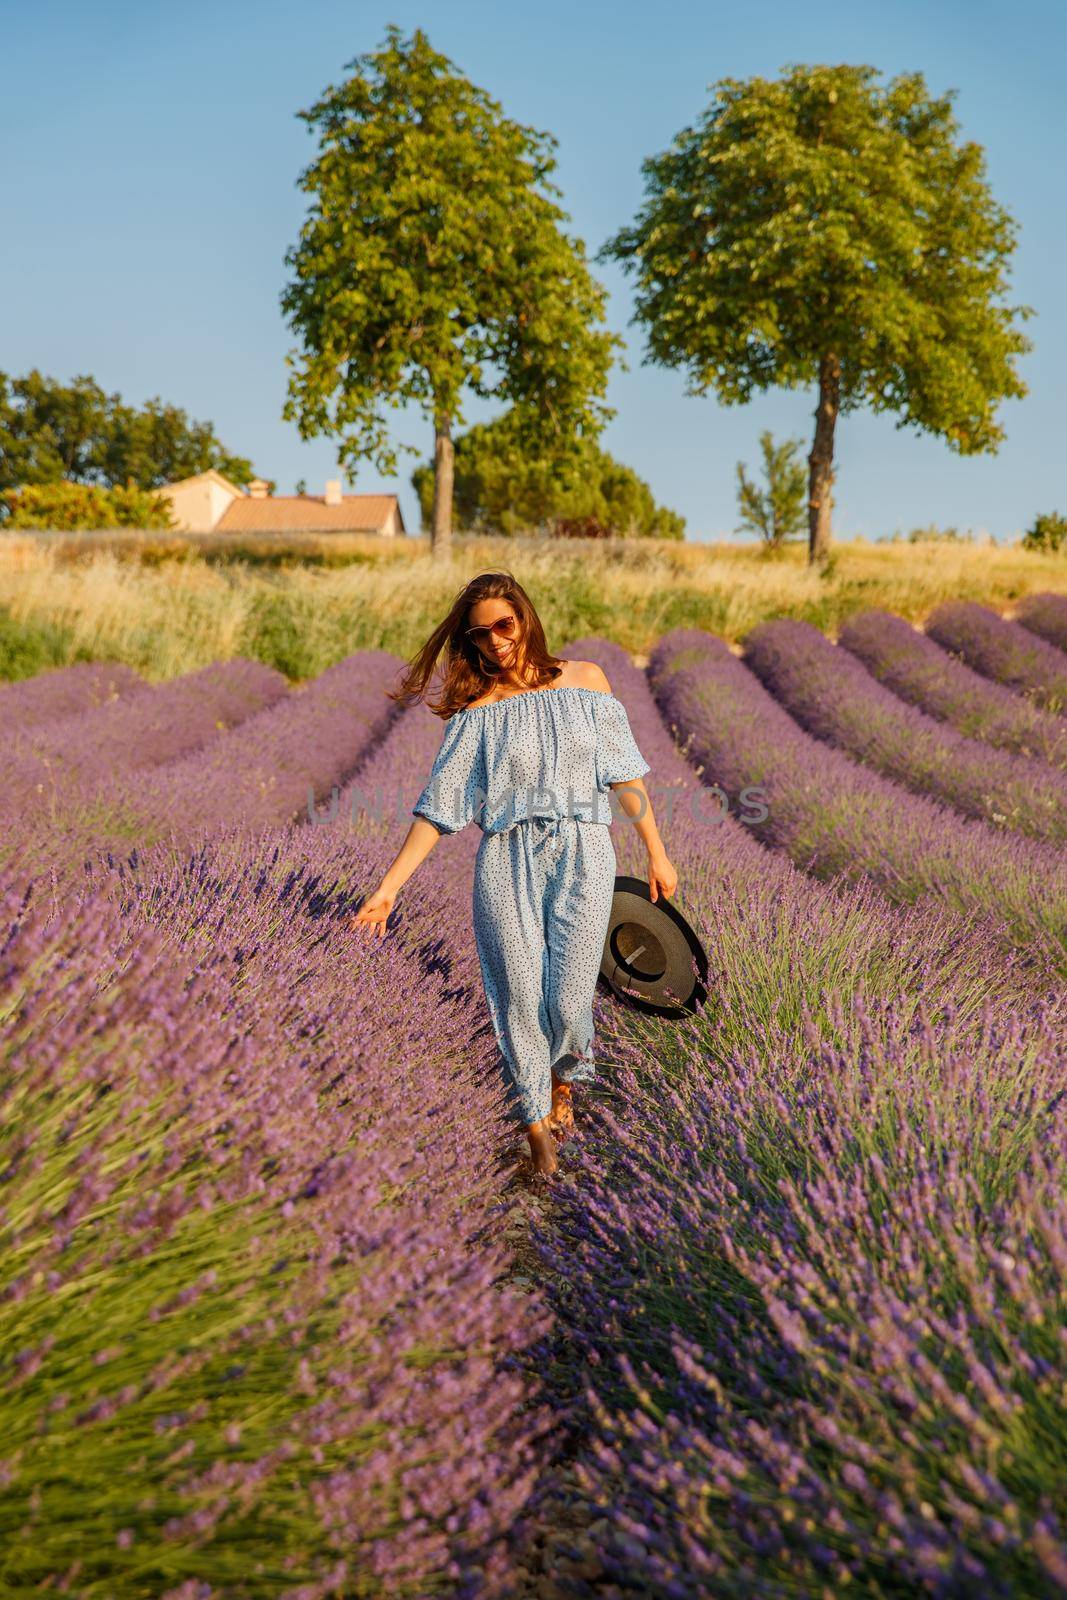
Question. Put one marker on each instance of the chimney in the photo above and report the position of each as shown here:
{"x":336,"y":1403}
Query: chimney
{"x":333,"y":491}
{"x":259,"y":488}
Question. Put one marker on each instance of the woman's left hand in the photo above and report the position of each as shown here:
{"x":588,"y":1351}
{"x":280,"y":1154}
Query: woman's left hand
{"x":662,"y":878}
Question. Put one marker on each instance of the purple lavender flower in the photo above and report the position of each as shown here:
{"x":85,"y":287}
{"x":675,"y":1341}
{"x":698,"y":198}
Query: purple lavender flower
{"x":1045,"y":615}
{"x":919,"y":671}
{"x":810,"y":1359}
{"x":836,"y":819}
{"x":1004,"y":651}
{"x":253,"y":776}
{"x":49,"y":762}
{"x":240,"y":1166}
{"x":66,"y":692}
{"x":800,"y":1290}
{"x":832,"y":695}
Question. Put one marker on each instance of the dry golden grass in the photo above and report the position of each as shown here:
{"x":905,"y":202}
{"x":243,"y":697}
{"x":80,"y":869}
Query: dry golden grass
{"x":168,"y":604}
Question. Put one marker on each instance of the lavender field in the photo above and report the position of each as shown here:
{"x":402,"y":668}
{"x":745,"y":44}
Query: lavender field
{"x":284,"y":1312}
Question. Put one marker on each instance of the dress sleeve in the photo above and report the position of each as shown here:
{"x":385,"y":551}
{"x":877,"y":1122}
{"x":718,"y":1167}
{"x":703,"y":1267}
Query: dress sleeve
{"x":617,"y":757}
{"x":455,"y":792}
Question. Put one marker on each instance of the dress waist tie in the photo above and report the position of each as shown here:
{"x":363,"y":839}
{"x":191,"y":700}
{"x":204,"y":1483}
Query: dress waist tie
{"x":551,"y":828}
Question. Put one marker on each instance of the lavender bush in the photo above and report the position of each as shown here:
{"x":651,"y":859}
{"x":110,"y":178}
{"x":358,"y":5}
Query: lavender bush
{"x":1003,"y":651}
{"x":919,"y":671}
{"x":831,"y":695}
{"x":163,"y":723}
{"x":774,"y":931}
{"x":250,"y":1267}
{"x":255,"y":776}
{"x":834,"y":818}
{"x":732,"y":1273}
{"x":818,"y":1297}
{"x":65,"y":692}
{"x":263,"y":1159}
{"x":777,"y":939}
{"x":1045,"y":615}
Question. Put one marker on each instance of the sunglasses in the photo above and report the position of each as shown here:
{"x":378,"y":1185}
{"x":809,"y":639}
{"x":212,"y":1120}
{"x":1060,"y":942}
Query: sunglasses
{"x":503,"y":625}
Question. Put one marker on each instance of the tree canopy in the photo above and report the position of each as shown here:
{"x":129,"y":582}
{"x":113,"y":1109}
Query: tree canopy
{"x":432,"y":264}
{"x":51,"y":431}
{"x":825,"y":229}
{"x":500,"y":487}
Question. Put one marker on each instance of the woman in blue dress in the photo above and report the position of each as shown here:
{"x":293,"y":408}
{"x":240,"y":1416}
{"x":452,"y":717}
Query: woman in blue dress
{"x":532,"y":746}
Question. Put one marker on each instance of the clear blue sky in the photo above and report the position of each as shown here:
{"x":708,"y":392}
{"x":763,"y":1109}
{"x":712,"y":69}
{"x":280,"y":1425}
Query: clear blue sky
{"x":149,"y":195}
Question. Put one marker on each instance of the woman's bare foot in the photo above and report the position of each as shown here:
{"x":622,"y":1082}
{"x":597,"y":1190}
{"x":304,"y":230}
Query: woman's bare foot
{"x":543,"y":1148}
{"x":562,"y":1114}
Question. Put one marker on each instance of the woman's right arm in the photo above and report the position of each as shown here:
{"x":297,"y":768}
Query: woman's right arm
{"x":374,"y":912}
{"x":450,"y":800}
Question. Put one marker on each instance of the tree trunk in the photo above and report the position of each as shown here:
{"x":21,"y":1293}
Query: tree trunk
{"x":443,"y":463}
{"x":821,"y":460}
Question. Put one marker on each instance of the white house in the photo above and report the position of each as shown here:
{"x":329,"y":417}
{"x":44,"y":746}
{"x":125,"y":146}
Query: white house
{"x":210,"y":503}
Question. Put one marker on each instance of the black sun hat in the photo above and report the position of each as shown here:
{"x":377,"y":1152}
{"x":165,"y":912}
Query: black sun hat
{"x":652,"y":958}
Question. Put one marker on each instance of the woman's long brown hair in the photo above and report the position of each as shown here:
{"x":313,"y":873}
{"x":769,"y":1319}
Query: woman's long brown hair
{"x":463,"y":676}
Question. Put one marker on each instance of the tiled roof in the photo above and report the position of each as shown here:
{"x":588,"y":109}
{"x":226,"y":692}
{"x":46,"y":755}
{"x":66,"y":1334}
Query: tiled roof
{"x":306,"y":513}
{"x":211,"y":475}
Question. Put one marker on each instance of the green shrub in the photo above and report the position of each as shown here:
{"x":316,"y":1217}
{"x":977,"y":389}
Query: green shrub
{"x":936,"y":535}
{"x":27,"y":648}
{"x":276,"y":634}
{"x":1049,"y":532}
{"x":69,"y":507}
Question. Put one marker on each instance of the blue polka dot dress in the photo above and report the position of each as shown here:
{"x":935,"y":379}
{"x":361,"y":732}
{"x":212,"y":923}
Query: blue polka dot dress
{"x":534,"y":770}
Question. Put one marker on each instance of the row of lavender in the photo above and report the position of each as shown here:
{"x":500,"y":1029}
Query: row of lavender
{"x":1045,"y":615}
{"x":251,"y":1266}
{"x":921,"y":673}
{"x":803,"y":970}
{"x":816,"y":1246}
{"x":837,"y":818}
{"x":830,"y":692}
{"x":51,"y":696}
{"x":157,"y":767}
{"x":1018,"y":654}
{"x":51,"y":765}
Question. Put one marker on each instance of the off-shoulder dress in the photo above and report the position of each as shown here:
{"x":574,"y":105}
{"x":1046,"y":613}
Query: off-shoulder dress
{"x":534,"y":772}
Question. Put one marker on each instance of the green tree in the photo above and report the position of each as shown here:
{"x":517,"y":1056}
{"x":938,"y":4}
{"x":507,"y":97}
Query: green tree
{"x":52,"y":432}
{"x":826,"y":230}
{"x":160,"y":444}
{"x":778,"y":511}
{"x":433,"y":262}
{"x":500,"y":487}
